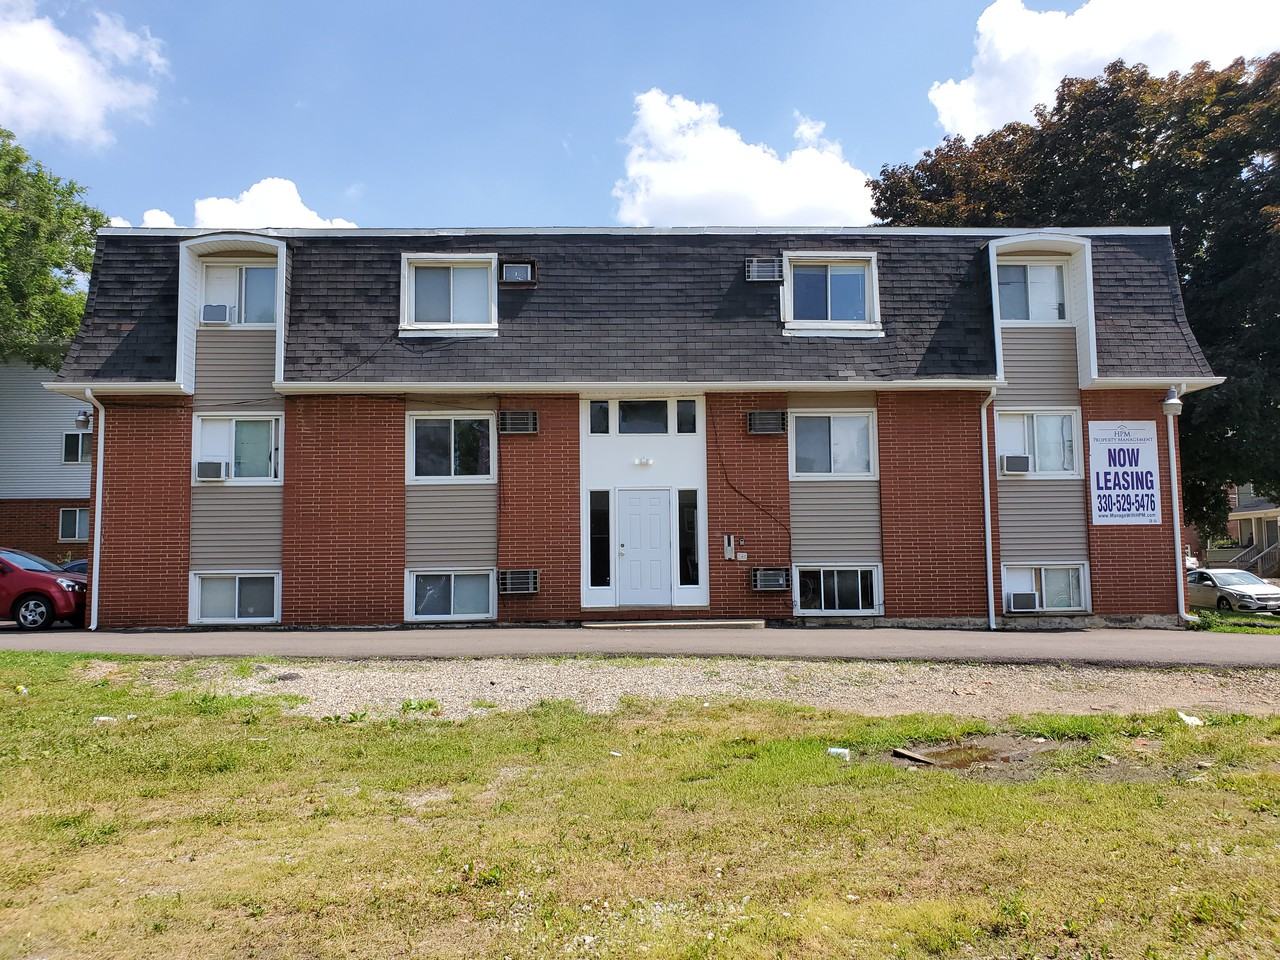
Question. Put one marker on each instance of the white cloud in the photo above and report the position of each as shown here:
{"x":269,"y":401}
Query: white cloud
{"x":273,"y":202}
{"x":58,"y":85}
{"x":686,"y":168}
{"x":1022,"y":54}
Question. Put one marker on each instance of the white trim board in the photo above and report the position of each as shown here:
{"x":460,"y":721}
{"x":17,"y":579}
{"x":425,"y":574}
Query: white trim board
{"x":641,"y":231}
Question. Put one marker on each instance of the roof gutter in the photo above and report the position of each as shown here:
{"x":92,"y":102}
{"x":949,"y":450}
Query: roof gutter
{"x":614,"y":387}
{"x":118,"y":388}
{"x":1186,"y":385}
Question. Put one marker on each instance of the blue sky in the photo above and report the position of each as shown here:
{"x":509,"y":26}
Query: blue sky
{"x":416,"y":114}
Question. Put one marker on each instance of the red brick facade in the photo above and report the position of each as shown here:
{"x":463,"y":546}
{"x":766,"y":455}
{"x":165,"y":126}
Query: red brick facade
{"x":749,"y":496}
{"x":1133,"y":568}
{"x":32,"y":525}
{"x":343,"y":539}
{"x":931,"y":504}
{"x":146,"y":534}
{"x":539,"y":509}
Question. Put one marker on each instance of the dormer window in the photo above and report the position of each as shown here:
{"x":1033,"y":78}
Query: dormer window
{"x":833,"y":294}
{"x":449,"y":295}
{"x":239,"y":294}
{"x":1032,"y":292}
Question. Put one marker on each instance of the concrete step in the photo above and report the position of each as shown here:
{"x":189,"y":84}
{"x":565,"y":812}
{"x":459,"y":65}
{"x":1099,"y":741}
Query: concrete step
{"x":673,"y":624}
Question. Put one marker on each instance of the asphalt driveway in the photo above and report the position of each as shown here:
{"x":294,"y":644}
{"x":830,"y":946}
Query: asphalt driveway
{"x":1108,"y":647}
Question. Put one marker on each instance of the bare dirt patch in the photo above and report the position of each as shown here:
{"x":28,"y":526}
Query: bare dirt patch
{"x":337,"y":687}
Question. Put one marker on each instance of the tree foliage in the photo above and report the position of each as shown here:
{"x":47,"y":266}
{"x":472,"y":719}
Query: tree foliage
{"x":1196,"y":152}
{"x":46,"y":251}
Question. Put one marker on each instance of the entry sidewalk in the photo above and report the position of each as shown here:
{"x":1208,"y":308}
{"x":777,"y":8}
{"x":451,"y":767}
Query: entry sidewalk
{"x":1169,"y":648}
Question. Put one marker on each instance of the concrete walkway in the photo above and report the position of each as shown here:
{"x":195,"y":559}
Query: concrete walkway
{"x":1101,"y":647}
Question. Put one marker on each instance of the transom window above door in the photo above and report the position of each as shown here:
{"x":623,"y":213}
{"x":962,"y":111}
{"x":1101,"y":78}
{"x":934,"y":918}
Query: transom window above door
{"x":450,"y":448}
{"x":449,"y":295}
{"x":670,"y":416}
{"x":835,"y":444}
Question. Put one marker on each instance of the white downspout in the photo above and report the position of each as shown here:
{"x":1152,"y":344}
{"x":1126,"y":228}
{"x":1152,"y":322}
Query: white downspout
{"x":100,"y":427}
{"x":1174,"y":484}
{"x":986,"y":512}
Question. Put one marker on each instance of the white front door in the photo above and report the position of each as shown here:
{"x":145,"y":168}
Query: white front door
{"x":644,"y":547}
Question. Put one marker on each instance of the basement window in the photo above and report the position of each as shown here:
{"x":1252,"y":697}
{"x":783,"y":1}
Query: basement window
{"x":1057,"y":587}
{"x":451,"y":595}
{"x":829,"y":591}
{"x":229,"y":597}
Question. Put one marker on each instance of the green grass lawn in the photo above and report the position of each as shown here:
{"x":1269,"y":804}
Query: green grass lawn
{"x":1235,"y":621}
{"x":211,"y":826}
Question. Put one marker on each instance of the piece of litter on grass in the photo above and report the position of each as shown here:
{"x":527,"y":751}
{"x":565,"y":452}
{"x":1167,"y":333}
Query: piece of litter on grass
{"x":20,"y":690}
{"x":840,"y":753}
{"x":614,"y":753}
{"x":102,"y":721}
{"x":1189,"y":720}
{"x":1204,"y":764}
{"x":1108,"y":758}
{"x":1039,"y":740}
{"x":906,"y":754}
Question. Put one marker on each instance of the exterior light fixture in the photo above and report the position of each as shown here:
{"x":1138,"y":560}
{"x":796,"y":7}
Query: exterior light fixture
{"x":84,"y":419}
{"x":1172,"y":406}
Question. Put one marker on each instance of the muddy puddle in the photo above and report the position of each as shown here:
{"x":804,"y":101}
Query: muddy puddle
{"x":999,"y":756}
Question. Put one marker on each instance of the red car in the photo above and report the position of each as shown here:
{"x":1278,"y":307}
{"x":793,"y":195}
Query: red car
{"x":35,"y":592}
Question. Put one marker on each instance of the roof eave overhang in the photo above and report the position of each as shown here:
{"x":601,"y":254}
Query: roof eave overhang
{"x":117,"y":388}
{"x":1182,"y":384}
{"x":302,"y":387}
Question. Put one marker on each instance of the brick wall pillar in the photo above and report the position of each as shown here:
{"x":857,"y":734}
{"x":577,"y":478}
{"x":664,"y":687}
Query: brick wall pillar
{"x":343,"y":539}
{"x":1132,"y":568}
{"x":931,"y":516}
{"x":539,"y":522}
{"x":748,"y":495}
{"x":146,"y":532}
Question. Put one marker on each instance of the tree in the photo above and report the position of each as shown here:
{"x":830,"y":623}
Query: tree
{"x":46,"y":252}
{"x":1196,"y":152}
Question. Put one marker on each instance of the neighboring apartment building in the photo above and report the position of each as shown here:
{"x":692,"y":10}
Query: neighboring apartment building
{"x":940,"y":426}
{"x":1254,"y":521}
{"x":44,"y":467}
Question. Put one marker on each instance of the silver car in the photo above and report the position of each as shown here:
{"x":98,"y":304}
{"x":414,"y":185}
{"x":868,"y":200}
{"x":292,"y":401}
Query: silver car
{"x":1231,"y":590}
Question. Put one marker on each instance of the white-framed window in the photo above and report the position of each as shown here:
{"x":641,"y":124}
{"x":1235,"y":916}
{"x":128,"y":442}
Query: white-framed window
{"x":1050,"y":439}
{"x":672,"y":415}
{"x":1032,"y":291}
{"x":828,"y":444}
{"x":451,"y":447}
{"x":1057,"y":587}
{"x":451,"y":594}
{"x":246,"y":289}
{"x":836,"y":590}
{"x":73,"y":524}
{"x":449,"y":294}
{"x":235,"y":596}
{"x":250,"y":446}
{"x":832,"y":293}
{"x":77,"y":447}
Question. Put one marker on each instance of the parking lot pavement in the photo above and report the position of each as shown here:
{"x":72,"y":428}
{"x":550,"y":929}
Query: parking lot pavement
{"x":1117,"y":647}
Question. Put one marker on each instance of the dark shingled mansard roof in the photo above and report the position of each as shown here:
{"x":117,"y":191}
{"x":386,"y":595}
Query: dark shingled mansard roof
{"x":633,"y":306}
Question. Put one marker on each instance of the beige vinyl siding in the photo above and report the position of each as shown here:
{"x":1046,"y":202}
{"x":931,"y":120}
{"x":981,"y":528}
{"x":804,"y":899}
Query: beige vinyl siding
{"x":234,"y":369}
{"x":1040,"y":367}
{"x":235,"y":528}
{"x":1042,"y":520}
{"x":835,"y":521}
{"x":447,"y":524}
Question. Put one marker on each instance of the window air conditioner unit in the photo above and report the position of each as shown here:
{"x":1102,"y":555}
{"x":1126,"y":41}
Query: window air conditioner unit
{"x":1015,"y":464}
{"x":764,"y":269}
{"x":1023,"y":602}
{"x":767,"y":421}
{"x":215,"y":314}
{"x":517,"y":581}
{"x":211,"y":470}
{"x":518,"y":421}
{"x":770,"y":578}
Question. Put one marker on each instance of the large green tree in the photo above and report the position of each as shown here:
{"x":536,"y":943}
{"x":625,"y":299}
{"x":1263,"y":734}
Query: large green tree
{"x":46,"y":250}
{"x":1194,"y":151}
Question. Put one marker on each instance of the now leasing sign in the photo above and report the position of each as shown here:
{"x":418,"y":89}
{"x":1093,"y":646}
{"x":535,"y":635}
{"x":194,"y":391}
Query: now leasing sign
{"x":1124,"y":472}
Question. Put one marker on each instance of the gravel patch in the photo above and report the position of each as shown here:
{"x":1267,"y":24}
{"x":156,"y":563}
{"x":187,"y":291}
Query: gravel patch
{"x":466,"y":687}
